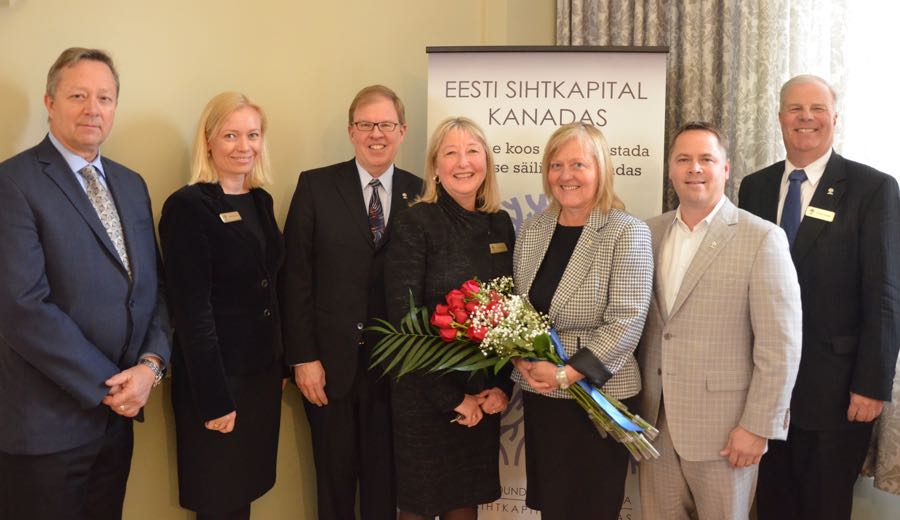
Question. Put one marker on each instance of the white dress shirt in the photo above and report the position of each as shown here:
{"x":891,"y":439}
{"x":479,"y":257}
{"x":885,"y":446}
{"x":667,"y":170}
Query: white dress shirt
{"x":678,"y":249}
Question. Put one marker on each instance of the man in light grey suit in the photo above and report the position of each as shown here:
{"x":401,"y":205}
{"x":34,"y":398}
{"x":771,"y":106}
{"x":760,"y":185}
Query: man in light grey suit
{"x":82,"y":326}
{"x":721,"y":344}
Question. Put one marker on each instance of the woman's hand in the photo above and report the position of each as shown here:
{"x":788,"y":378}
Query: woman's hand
{"x":469,"y":410}
{"x":542,"y":376}
{"x":495,"y":400}
{"x":224,"y":424}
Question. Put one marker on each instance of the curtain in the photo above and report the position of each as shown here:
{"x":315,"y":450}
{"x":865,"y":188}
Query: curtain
{"x":727,"y":60}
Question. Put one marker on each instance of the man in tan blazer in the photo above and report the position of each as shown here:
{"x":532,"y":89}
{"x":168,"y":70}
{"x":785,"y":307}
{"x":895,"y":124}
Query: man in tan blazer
{"x":721,"y":344}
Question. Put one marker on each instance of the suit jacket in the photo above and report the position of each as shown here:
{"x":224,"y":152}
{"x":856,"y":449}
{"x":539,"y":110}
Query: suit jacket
{"x":849,"y":272}
{"x":69,"y":315}
{"x":332,"y":282}
{"x":221,"y":291}
{"x":726,"y":354}
{"x":601,"y":301}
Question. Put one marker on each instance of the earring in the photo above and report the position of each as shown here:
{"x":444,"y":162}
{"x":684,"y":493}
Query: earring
{"x":437,"y":180}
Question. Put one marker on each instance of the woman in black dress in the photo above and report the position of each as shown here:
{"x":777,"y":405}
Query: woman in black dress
{"x":222,"y":250}
{"x":447,"y":428}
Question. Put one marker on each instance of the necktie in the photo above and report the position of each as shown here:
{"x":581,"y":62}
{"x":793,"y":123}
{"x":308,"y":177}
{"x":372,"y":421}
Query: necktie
{"x":376,"y":213}
{"x":790,"y":213}
{"x":106,"y":210}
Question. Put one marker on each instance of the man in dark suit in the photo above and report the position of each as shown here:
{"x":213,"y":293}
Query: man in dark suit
{"x":843,"y":221}
{"x":82,"y":331}
{"x":332,"y":285}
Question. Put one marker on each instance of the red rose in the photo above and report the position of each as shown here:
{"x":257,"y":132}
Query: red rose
{"x":456,"y":299}
{"x":476,"y":333}
{"x":459,"y":315}
{"x":470,"y":288}
{"x":441,"y":309}
{"x":441,"y":321}
{"x":448,"y":335}
{"x":471,"y":306}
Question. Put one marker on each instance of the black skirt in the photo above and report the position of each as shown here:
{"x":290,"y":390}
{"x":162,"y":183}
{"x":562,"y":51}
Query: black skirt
{"x":219,"y":472}
{"x":572,"y":471}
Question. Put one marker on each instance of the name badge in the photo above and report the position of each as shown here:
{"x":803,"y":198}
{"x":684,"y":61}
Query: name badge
{"x":229,"y":217}
{"x":498,"y":247}
{"x":819,"y":213}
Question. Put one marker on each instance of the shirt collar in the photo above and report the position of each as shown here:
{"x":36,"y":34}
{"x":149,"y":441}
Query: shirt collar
{"x":386,"y":178}
{"x":705,"y":222}
{"x":814,"y":170}
{"x":75,"y":162}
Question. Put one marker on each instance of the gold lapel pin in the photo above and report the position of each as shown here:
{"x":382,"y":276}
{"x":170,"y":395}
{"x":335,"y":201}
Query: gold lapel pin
{"x":830,"y":191}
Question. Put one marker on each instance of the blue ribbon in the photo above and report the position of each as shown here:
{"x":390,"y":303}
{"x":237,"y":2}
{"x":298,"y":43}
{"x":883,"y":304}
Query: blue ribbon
{"x":595,"y":394}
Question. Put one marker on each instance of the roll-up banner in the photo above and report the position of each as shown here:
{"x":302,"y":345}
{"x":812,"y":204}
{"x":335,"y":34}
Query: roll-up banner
{"x":519,"y":96}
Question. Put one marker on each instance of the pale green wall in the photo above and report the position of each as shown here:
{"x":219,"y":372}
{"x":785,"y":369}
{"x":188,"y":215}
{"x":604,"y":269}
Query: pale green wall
{"x":302,"y":61}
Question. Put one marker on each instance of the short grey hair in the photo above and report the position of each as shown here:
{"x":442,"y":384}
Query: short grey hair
{"x":806,"y":78}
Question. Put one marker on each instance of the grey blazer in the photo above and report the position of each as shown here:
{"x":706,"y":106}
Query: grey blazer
{"x":727,"y":352}
{"x":601,"y":301}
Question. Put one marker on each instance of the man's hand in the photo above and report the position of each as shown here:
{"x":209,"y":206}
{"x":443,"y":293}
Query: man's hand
{"x":130,"y":389}
{"x":744,"y":448}
{"x":494,"y":400}
{"x":863,"y":409}
{"x":469,"y":411}
{"x":310,"y":379}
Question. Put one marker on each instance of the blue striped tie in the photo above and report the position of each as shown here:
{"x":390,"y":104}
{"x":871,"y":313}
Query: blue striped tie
{"x":790,"y":213}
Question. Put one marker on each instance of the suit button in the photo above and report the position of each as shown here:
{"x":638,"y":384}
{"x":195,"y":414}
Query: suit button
{"x":359,"y":326}
{"x":267,"y":313}
{"x":667,"y":336}
{"x":264,"y":283}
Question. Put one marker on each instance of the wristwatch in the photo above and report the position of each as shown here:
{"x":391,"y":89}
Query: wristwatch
{"x":157,"y":372}
{"x":561,"y":378}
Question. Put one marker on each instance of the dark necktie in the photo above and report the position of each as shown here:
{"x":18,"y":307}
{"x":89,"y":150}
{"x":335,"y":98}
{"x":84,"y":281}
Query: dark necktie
{"x":106,"y":209}
{"x":790,"y":213}
{"x":376,"y":213}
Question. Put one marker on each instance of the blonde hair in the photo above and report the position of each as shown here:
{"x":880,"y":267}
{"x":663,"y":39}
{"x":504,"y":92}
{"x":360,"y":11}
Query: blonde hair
{"x":373,"y":93}
{"x":487,"y":198}
{"x":214,"y":115}
{"x":594,"y":143}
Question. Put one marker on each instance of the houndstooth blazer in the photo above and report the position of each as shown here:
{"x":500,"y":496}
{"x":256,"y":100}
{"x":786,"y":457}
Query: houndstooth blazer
{"x":727,"y":352}
{"x":601,"y":301}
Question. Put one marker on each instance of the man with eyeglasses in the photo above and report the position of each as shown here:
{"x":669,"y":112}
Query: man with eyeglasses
{"x":332,"y":285}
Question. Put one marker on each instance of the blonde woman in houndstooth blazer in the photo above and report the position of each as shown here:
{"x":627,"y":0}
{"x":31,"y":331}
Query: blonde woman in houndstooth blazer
{"x":721,"y":346}
{"x":589,"y":266}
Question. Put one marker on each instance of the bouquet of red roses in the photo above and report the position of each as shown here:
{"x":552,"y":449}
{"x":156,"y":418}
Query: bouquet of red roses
{"x":483,"y":325}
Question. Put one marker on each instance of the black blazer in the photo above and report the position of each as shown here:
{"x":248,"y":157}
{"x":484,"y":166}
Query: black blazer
{"x":221,"y":289}
{"x":332,"y":283}
{"x":849,"y":273}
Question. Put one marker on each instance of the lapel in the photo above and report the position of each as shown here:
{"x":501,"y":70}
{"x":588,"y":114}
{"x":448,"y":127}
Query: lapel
{"x":274,"y":242}
{"x":56,"y":168}
{"x":659,"y":227}
{"x":721,"y":230}
{"x":771,"y":188}
{"x":535,"y":246}
{"x":580,"y":262}
{"x":346,"y":180}
{"x":827,"y":196}
{"x":403,"y":193}
{"x":218,"y":204}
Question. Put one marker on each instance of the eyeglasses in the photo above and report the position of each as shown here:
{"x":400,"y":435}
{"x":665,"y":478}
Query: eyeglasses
{"x":368,"y":126}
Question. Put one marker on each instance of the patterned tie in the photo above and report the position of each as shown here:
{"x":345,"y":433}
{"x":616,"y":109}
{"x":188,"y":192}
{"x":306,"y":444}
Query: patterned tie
{"x":376,"y":214}
{"x":106,"y":210}
{"x":790,"y":213}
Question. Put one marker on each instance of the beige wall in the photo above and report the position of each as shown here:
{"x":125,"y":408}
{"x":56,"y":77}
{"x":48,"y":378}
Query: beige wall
{"x":302,"y":61}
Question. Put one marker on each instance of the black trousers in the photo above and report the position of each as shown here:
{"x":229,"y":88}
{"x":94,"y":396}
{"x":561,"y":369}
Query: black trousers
{"x":572,"y":471}
{"x":83,"y":483}
{"x":352,"y":444}
{"x":810,"y":476}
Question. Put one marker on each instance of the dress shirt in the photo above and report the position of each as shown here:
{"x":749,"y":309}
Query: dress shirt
{"x":77,"y":162}
{"x":678,"y":249}
{"x":384,"y":193}
{"x":814,"y":172}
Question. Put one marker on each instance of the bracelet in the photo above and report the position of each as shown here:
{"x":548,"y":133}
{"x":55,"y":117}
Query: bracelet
{"x":561,"y":378}
{"x":157,"y":372}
